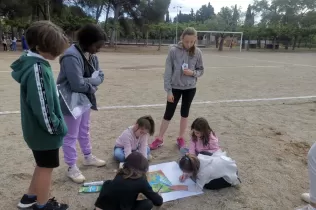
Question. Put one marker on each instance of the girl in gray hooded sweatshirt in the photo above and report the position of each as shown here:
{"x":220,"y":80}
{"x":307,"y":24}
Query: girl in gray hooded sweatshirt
{"x":184,"y":65}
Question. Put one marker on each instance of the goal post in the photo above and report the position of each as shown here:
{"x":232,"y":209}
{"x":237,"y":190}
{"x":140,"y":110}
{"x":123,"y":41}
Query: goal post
{"x":213,"y":33}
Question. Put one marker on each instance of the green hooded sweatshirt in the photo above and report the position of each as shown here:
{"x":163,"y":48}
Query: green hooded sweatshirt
{"x":43,"y":124}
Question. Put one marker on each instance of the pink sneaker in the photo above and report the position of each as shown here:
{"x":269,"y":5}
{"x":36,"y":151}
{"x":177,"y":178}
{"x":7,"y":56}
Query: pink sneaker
{"x":180,"y":142}
{"x":156,"y":144}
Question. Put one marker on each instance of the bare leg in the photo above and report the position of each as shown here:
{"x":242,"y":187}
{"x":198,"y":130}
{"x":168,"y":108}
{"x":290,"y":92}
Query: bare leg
{"x":32,"y":189}
{"x":183,"y":126}
{"x":42,"y":183}
{"x":163,"y":128}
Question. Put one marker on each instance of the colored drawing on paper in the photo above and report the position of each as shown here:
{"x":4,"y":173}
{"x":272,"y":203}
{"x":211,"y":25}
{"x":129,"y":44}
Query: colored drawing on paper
{"x":90,"y":189}
{"x":158,"y":180}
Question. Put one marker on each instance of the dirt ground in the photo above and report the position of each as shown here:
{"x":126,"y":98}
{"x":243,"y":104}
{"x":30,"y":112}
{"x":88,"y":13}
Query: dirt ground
{"x":268,"y":139}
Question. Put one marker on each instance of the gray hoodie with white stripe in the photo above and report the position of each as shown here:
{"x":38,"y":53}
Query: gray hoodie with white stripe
{"x":174,"y":77}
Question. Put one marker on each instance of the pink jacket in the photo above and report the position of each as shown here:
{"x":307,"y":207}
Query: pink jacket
{"x":128,"y":141}
{"x":197,"y":147}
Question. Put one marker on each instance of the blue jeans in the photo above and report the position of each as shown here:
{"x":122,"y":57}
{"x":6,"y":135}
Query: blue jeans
{"x":119,"y":154}
{"x":14,"y":46}
{"x":184,"y":151}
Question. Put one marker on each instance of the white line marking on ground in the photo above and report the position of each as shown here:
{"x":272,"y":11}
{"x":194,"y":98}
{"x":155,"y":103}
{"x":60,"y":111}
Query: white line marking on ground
{"x":162,"y":68}
{"x":268,"y":61}
{"x":196,"y":103}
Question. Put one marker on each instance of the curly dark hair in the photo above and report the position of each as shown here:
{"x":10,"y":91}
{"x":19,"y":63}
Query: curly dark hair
{"x":90,"y":34}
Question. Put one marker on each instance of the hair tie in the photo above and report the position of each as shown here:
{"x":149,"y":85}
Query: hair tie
{"x":186,"y":157}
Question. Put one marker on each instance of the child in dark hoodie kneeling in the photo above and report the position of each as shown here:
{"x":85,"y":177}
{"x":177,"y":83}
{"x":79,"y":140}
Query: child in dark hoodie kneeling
{"x":122,"y":192}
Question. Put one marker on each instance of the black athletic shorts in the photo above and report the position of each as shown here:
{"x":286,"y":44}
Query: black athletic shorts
{"x":47,"y":158}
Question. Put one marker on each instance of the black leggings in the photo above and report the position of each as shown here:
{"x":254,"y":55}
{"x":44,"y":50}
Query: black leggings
{"x":217,"y":184}
{"x":187,"y":98}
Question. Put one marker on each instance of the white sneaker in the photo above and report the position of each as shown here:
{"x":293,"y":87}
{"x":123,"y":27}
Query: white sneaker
{"x":149,"y":158}
{"x":306,"y":197}
{"x":121,"y":165}
{"x":75,"y":175}
{"x":93,"y":161}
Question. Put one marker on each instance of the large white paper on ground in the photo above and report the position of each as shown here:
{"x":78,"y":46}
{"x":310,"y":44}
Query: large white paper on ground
{"x":173,"y":172}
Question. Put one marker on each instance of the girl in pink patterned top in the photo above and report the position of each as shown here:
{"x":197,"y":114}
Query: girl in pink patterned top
{"x":135,"y":138}
{"x":203,"y":139}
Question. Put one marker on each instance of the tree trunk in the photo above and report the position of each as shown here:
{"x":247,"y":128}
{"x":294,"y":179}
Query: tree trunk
{"x":265,"y":43}
{"x":243,"y":44}
{"x":98,"y":12}
{"x":107,"y":15}
{"x":231,"y":42}
{"x":160,"y":40}
{"x":216,"y":40}
{"x":258,"y":43}
{"x":221,"y":43}
{"x":12,"y":32}
{"x":299,"y":43}
{"x":273,"y":43}
{"x":287,"y":43}
{"x":294,"y":44}
{"x":44,"y":10}
{"x":117,"y":8}
{"x":248,"y":44}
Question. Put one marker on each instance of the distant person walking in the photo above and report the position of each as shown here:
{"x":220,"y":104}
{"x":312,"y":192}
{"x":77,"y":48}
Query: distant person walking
{"x":14,"y":40}
{"x":24,"y":43}
{"x":5,"y":44}
{"x":184,"y":65}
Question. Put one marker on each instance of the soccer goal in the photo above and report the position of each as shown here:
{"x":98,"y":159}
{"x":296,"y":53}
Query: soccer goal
{"x":213,"y":38}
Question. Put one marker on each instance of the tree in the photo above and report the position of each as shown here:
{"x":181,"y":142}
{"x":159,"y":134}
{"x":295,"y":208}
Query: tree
{"x":248,"y":24}
{"x":205,"y":13}
{"x":93,"y":7}
{"x":149,"y":12}
{"x":119,"y":6}
{"x":167,"y":17}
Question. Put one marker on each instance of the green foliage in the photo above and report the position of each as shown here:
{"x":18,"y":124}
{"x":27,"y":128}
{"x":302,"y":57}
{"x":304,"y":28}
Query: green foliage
{"x":286,"y":21}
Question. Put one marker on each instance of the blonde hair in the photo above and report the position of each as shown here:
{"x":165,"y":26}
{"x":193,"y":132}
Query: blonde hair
{"x":190,"y":31}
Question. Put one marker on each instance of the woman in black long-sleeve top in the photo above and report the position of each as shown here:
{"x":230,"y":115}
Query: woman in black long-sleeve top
{"x":121,"y":193}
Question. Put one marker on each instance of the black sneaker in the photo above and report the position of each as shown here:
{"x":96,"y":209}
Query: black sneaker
{"x":26,"y":202}
{"x":52,"y":204}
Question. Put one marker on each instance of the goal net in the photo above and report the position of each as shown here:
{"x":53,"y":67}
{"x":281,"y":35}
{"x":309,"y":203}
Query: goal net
{"x":215,"y":39}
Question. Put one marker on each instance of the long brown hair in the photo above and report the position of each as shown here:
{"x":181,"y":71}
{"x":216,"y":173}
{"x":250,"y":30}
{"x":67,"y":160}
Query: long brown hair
{"x":201,"y":125}
{"x":190,"y":31}
{"x":135,"y":166}
{"x":147,"y":123}
{"x":190,"y":164}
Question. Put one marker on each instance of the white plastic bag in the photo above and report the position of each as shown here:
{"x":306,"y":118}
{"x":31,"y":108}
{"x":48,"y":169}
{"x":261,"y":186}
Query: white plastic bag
{"x":77,"y":103}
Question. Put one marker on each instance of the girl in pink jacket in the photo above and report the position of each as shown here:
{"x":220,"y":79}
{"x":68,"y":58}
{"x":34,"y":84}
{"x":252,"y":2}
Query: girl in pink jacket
{"x":135,"y":138}
{"x":203,"y":139}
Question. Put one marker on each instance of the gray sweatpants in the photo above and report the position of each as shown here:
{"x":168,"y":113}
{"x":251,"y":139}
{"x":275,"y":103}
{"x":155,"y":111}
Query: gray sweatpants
{"x":312,"y":172}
